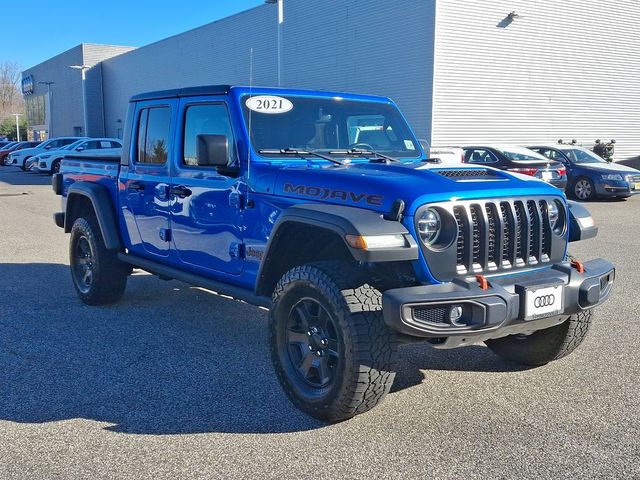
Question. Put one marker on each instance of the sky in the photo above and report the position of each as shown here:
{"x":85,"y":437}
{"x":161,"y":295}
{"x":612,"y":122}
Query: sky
{"x":38,"y":29}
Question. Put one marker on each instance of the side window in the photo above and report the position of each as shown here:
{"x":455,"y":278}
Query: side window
{"x":67,"y":141}
{"x":153,"y":135}
{"x":92,"y":145}
{"x":105,"y":144}
{"x":54,"y":144}
{"x":479,"y":155}
{"x":212,"y":119}
{"x":115,"y":145}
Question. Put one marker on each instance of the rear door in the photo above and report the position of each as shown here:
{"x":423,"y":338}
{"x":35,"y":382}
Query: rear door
{"x":147,"y":179}
{"x":206,"y":204}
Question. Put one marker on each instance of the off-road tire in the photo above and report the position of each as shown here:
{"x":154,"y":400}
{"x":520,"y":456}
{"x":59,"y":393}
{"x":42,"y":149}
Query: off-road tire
{"x":363,"y":373}
{"x":546,"y":345}
{"x":108,"y":274}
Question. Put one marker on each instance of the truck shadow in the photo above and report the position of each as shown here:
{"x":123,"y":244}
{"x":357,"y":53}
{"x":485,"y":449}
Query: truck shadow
{"x":167,"y":359}
{"x":15,"y":176}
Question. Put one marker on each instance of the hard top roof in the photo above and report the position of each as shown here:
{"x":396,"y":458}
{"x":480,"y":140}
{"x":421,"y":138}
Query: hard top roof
{"x":225,"y":89}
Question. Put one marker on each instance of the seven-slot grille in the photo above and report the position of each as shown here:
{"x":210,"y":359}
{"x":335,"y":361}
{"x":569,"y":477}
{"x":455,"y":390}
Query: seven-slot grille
{"x":501,"y":235}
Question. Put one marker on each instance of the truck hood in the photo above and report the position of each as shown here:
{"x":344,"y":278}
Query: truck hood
{"x":376,"y":186}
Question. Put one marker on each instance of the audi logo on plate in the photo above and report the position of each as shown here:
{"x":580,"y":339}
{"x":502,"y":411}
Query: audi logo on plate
{"x":544,"y":301}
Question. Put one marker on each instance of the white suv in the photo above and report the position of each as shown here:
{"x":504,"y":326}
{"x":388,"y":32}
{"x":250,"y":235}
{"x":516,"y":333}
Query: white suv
{"x":49,"y":162}
{"x":19,"y":158}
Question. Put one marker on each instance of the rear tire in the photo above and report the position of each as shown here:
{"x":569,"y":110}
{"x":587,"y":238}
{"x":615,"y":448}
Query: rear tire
{"x":546,"y":345}
{"x":332,"y":352}
{"x":98,"y":276}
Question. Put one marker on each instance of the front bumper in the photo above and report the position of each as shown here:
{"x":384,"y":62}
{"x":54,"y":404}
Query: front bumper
{"x":423,"y":311}
{"x":614,"y":188}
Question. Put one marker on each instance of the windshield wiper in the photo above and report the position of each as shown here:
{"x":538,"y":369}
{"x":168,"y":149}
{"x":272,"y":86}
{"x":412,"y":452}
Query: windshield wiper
{"x":300,"y":153}
{"x":360,"y":151}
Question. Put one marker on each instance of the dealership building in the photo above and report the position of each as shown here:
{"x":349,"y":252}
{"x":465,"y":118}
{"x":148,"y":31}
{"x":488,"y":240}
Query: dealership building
{"x":507,"y":71}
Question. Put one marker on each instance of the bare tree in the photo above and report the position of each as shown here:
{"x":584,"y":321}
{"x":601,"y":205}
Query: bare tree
{"x":10,"y":95}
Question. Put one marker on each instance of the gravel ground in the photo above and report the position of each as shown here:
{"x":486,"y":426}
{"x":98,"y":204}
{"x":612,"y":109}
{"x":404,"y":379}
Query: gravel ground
{"x":175,"y":382}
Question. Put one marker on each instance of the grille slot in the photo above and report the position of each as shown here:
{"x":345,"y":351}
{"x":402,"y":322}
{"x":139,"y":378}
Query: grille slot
{"x":501,"y":235}
{"x":435,"y":314}
{"x":466,"y":173}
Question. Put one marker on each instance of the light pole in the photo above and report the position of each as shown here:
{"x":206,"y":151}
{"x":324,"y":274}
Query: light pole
{"x":83,"y":69}
{"x":48,"y":84}
{"x":18,"y":115}
{"x":280,"y":4}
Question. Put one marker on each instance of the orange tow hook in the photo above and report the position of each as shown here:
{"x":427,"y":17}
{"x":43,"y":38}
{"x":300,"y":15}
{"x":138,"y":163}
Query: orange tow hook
{"x":482,"y":282}
{"x":578,"y":265}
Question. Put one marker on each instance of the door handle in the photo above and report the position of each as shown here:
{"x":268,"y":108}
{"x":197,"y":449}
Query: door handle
{"x":180,"y":191}
{"x":136,"y":186}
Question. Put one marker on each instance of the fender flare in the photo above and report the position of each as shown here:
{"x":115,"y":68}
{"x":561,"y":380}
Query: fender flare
{"x":581,"y":224}
{"x":103,"y":207}
{"x":342,"y":220}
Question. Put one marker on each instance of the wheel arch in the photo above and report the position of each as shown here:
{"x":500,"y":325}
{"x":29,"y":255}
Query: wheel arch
{"x":312,"y":232}
{"x":84,"y":197}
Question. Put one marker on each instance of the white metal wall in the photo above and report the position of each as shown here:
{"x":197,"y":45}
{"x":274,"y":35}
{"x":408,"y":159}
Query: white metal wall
{"x":563,"y":69}
{"x":366,"y":46}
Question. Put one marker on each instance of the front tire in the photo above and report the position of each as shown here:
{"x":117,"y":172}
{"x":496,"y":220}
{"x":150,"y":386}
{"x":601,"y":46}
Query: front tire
{"x":98,"y":276}
{"x":583,"y":189}
{"x":55,"y":166}
{"x":546,"y":345}
{"x":332,"y":352}
{"x":24,"y":164}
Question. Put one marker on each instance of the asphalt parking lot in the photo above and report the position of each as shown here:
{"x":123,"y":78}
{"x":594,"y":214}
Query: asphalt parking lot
{"x":175,"y":382}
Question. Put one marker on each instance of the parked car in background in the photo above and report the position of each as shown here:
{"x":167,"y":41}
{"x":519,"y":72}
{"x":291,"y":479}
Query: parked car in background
{"x":590,"y":176}
{"x":5,"y":144}
{"x":4,"y":154}
{"x":20,"y":158}
{"x":518,"y":160}
{"x":49,"y":162}
{"x":453,"y":155}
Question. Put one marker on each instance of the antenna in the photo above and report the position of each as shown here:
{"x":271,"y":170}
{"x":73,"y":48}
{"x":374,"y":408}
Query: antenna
{"x":250,"y":115}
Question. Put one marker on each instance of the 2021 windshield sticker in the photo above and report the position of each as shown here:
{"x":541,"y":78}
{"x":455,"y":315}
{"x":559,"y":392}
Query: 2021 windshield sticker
{"x":269,"y":104}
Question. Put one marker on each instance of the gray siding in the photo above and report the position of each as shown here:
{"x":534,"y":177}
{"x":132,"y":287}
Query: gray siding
{"x":375,"y":46}
{"x":564,"y":70}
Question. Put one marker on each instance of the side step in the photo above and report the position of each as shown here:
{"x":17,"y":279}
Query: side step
{"x":197,"y":280}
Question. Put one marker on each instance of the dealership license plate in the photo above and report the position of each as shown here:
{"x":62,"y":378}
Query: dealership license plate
{"x":547,"y":175}
{"x":543,"y":302}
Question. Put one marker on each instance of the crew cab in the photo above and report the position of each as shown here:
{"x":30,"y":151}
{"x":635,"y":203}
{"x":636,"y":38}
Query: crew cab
{"x":274,"y":197}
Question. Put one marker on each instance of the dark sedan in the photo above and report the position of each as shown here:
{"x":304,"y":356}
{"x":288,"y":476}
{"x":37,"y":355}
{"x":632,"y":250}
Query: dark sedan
{"x":589,"y":176}
{"x":518,"y":160}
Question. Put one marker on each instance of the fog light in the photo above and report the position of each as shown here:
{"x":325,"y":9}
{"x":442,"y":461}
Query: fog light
{"x":455,"y":314}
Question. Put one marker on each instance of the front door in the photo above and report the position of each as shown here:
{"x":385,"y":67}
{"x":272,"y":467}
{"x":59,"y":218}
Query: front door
{"x":146,"y":181}
{"x":205,"y":203}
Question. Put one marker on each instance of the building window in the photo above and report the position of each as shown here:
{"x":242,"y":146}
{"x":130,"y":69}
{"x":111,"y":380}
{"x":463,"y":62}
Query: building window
{"x":36,"y":110}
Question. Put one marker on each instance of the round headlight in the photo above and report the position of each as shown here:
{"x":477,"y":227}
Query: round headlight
{"x":429,"y":226}
{"x":554,"y":214}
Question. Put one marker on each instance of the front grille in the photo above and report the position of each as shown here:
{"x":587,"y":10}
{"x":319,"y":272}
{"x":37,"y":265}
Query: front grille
{"x":435,"y":314}
{"x":633,"y":178}
{"x":525,"y":238}
{"x":467,"y":173}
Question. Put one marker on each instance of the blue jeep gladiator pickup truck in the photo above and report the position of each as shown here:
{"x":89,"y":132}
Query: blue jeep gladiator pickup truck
{"x":323,"y":208}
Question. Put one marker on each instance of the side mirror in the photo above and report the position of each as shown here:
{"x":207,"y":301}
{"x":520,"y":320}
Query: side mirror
{"x":48,"y":147}
{"x":79,"y":149}
{"x":212,"y":150}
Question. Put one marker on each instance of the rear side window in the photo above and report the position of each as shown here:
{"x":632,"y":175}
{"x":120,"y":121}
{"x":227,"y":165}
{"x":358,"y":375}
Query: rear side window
{"x":479,"y":155}
{"x":211,"y":119}
{"x":153,"y":135}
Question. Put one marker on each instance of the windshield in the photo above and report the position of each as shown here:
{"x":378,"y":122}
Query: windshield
{"x":579,"y":155}
{"x":327,"y":124}
{"x":521,"y":154}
